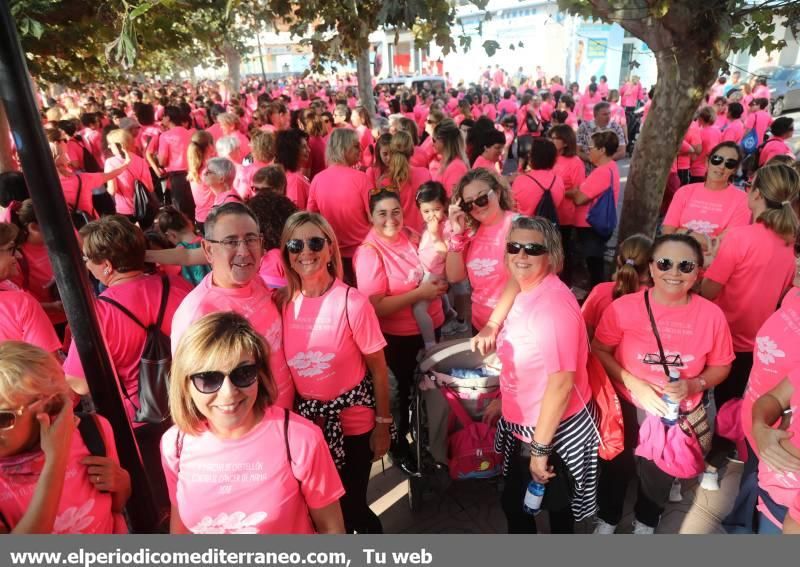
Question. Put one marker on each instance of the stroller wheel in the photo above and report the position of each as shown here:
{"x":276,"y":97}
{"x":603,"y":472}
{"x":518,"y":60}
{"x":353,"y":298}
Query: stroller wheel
{"x":416,"y":487}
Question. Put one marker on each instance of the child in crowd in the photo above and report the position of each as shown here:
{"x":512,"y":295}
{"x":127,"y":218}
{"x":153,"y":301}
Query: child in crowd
{"x":178,"y":229}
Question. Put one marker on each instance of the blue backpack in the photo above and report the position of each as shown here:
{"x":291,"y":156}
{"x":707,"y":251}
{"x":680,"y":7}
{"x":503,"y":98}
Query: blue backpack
{"x":750,"y":141}
{"x":602,"y":216}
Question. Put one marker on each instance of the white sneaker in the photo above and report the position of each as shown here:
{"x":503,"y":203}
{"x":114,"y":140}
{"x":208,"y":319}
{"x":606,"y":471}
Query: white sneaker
{"x":456,"y":327}
{"x":604,"y":528}
{"x":675,"y":494}
{"x":710,"y":481}
{"x":642,"y":529}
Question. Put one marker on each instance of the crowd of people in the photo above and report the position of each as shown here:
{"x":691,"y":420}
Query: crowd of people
{"x":301,"y":255}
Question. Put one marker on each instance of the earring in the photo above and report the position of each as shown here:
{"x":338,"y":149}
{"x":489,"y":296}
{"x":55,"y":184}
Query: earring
{"x":106,"y":271}
{"x":330,"y":265}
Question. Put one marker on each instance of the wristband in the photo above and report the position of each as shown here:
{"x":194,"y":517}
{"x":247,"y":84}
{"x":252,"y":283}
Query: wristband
{"x":540,"y":450}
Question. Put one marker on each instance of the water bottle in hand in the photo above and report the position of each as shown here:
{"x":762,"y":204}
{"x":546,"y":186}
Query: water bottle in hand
{"x":673,"y":408}
{"x":533,"y":498}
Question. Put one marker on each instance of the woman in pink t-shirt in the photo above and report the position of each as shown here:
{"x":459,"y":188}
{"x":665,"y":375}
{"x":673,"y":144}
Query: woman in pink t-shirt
{"x":489,"y":149}
{"x":752,"y":271}
{"x":219,"y":176}
{"x":262,"y":146}
{"x":334,"y":348}
{"x":449,"y":143}
{"x":543,"y":348}
{"x":389,"y":271}
{"x":710,"y":136}
{"x":123,"y":187}
{"x":696,"y":344}
{"x":200,"y":150}
{"x":706,"y":210}
{"x":381,"y":163}
{"x":235,"y":462}
{"x":603,"y":177}
{"x":529,"y":187}
{"x":480,"y":215}
{"x":362,"y":123}
{"x":49,"y":480}
{"x":292,"y":152}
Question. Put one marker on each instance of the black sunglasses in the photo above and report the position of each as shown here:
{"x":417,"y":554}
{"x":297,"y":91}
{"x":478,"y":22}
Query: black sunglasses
{"x":211,"y":381}
{"x":315,"y":244}
{"x":481,"y":201}
{"x":684,"y":266}
{"x":531,"y":248}
{"x":729,"y":163}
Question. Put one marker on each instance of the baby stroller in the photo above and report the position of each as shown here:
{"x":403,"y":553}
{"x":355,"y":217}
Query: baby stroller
{"x":453,"y":386}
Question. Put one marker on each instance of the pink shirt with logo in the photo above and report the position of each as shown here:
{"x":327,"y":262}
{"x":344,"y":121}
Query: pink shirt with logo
{"x":254,"y":302}
{"x":341,"y":195}
{"x":82,"y":509}
{"x":247,"y":485}
{"x":601,"y":296}
{"x":137,"y":170}
{"x":697,"y":332}
{"x":297,"y":188}
{"x":708,"y":211}
{"x":600,"y":179}
{"x":325,"y":348}
{"x":755,"y":267}
{"x":393,"y":268}
{"x":775,"y":355}
{"x":484,"y":259}
{"x":23,"y":319}
{"x":529,"y":187}
{"x":172,"y":146}
{"x":572,"y":173}
{"x":124,"y":338}
{"x":542,"y":335}
{"x":451,"y":175}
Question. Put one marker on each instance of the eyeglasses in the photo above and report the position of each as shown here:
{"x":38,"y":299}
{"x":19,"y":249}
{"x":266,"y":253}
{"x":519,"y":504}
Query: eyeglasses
{"x":531,"y":248}
{"x":684,"y":266}
{"x":669,"y":359}
{"x":481,"y":201}
{"x":730,"y":163}
{"x":8,"y":418}
{"x":232,"y":244}
{"x":315,"y":244}
{"x":211,"y":381}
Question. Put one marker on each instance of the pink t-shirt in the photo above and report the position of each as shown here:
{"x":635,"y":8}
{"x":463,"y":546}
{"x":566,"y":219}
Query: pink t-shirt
{"x":529,"y":187}
{"x":596,"y":303}
{"x":172,"y":146}
{"x":247,"y":485}
{"x":774,"y":147}
{"x":393,"y":268}
{"x":125,"y":183}
{"x":229,"y":196}
{"x":254,"y":302}
{"x":775,"y":355}
{"x":784,"y":488}
{"x":297,"y":188}
{"x":508,"y":106}
{"x":88,"y":181}
{"x":325,"y":347}
{"x":82,"y":509}
{"x":697,"y":332}
{"x":755,"y":267}
{"x":710,"y":136}
{"x":692,"y":139}
{"x":93,"y":141}
{"x":586,"y":106}
{"x":148,"y":139}
{"x":203,"y":198}
{"x":423,"y":154}
{"x":708,"y":211}
{"x":631,"y":94}
{"x":481,"y":161}
{"x":341,"y":195}
{"x":451,"y":175}
{"x":412,"y":218}
{"x":734,"y":131}
{"x":124,"y":338}
{"x":40,"y":276}
{"x":433,"y":260}
{"x":244,"y":178}
{"x":316,"y":148}
{"x":543,"y":334}
{"x":365,"y":141}
{"x":595,"y":185}
{"x":761,"y":121}
{"x":484,"y":259}
{"x":572,"y":173}
{"x":23,"y":319}
{"x":271,"y":270}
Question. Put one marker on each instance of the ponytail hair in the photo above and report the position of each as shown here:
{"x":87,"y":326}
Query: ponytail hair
{"x":196,"y":153}
{"x":778,"y":184}
{"x":633,"y":261}
{"x":401,"y":148}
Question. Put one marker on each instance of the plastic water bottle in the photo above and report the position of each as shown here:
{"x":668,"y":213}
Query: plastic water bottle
{"x":673,"y":408}
{"x":533,"y":498}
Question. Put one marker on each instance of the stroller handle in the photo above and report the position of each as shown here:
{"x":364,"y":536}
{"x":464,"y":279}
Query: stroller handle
{"x":444,"y":351}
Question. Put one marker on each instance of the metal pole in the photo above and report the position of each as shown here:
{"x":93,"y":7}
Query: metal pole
{"x":71,"y":277}
{"x":260,"y":56}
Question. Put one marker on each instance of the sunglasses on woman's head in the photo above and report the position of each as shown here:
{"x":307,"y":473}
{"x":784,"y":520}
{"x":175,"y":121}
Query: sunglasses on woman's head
{"x":481,"y":201}
{"x":684,"y":266}
{"x":531,"y":248}
{"x":730,"y":163}
{"x":296,"y":245}
{"x":211,"y":381}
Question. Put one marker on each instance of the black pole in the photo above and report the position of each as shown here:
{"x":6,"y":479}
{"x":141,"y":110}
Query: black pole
{"x":71,"y":277}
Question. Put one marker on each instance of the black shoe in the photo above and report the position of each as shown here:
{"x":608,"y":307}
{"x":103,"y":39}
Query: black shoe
{"x":408,"y":466}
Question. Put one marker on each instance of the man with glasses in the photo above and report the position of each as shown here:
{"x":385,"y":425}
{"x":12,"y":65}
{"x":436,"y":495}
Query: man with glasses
{"x":233,"y":246}
{"x":602,"y":122}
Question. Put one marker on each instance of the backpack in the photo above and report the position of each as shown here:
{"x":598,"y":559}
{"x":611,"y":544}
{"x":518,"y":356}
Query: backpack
{"x":90,"y":164}
{"x":750,"y":142}
{"x":470,"y":450}
{"x":602,"y":216}
{"x":546,"y":207}
{"x":145,"y":204}
{"x":154,"y":366}
{"x":531,"y":123}
{"x":79,"y":217}
{"x":751,"y":163}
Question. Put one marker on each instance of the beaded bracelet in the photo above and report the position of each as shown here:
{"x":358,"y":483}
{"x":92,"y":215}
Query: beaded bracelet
{"x":540,"y":450}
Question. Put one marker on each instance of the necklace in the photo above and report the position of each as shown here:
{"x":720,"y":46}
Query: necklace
{"x":324,"y":291}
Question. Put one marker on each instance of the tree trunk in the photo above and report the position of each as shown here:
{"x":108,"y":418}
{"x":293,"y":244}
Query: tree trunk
{"x":684,"y":75}
{"x":364,"y":74}
{"x":6,"y":159}
{"x":234,"y":61}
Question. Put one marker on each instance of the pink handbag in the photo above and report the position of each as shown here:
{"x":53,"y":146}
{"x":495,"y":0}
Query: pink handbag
{"x":470,"y":450}
{"x":675,"y":450}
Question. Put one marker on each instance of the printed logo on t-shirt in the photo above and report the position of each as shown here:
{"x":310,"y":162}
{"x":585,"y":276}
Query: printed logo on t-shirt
{"x":74,"y":520}
{"x":311,"y":363}
{"x":702,"y":226}
{"x":482,"y":266}
{"x":768,"y":351}
{"x":236,"y":523}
